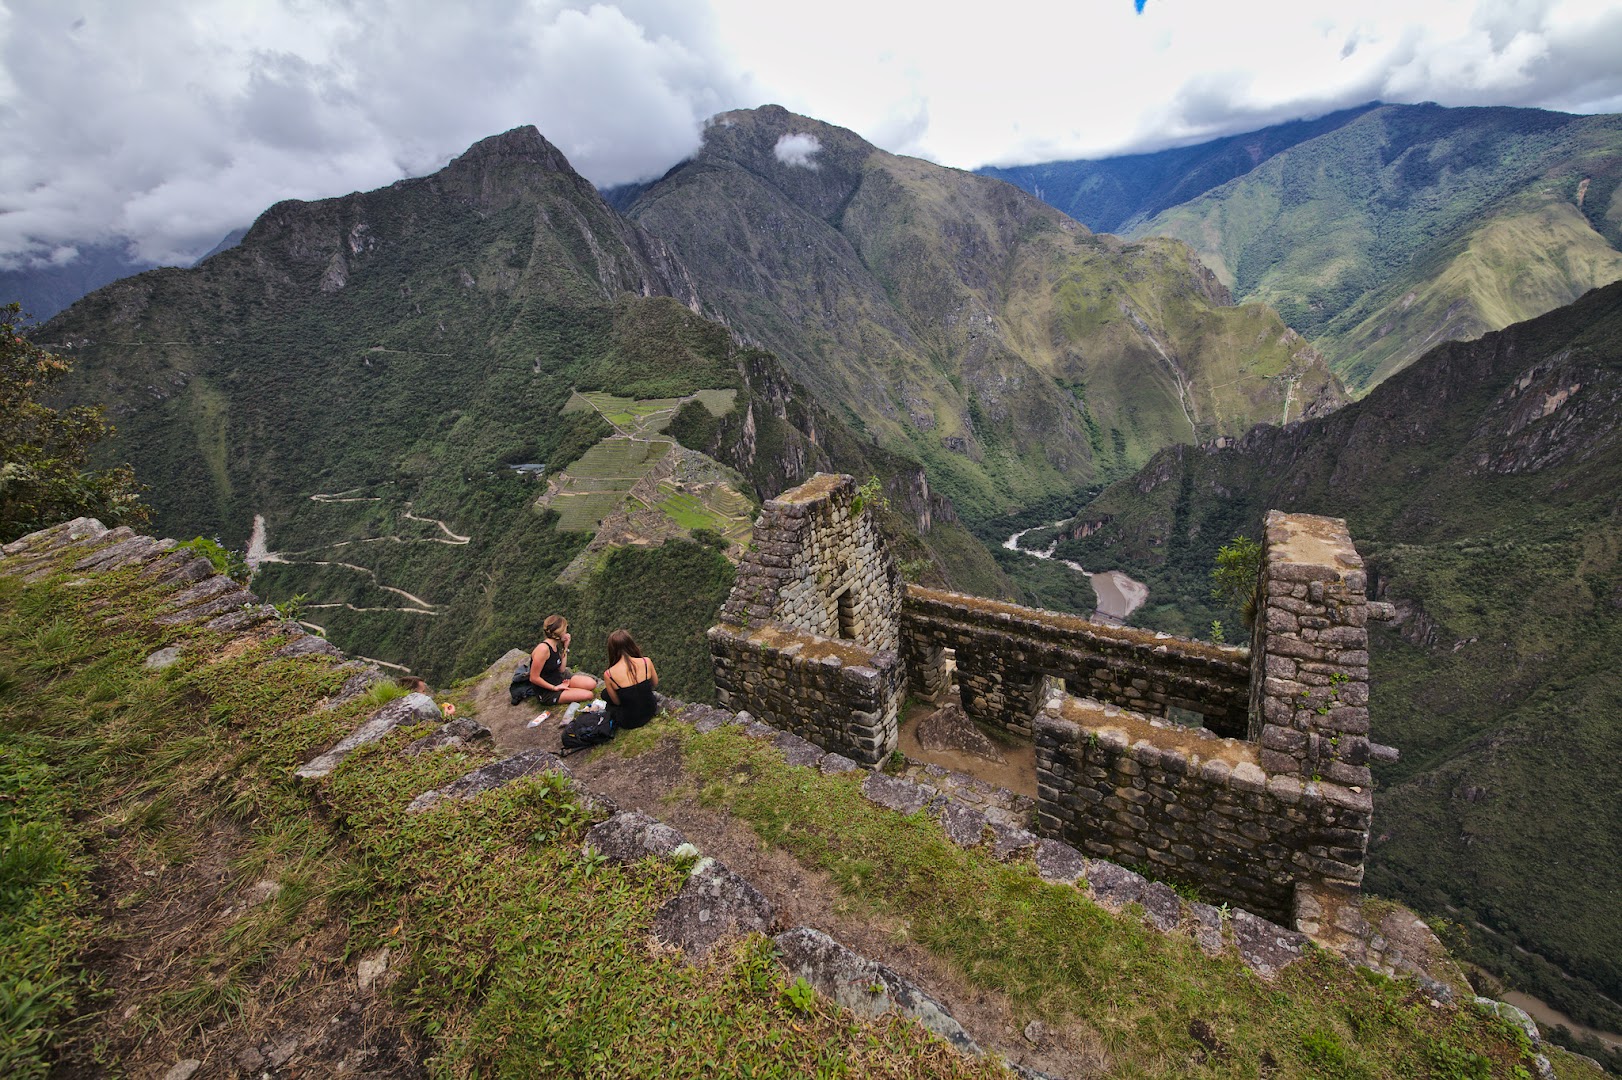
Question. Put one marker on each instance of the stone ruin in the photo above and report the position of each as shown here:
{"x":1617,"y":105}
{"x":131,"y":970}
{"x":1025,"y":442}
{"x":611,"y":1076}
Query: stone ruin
{"x":1266,"y":805}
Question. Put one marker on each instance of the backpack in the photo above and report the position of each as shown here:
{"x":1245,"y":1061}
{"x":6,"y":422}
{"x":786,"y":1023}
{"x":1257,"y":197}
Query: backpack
{"x":588,"y":728}
{"x":521,"y":688}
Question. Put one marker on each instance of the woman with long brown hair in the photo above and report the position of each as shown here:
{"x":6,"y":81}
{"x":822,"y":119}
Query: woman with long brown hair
{"x":629,"y":682}
{"x":554,"y":682}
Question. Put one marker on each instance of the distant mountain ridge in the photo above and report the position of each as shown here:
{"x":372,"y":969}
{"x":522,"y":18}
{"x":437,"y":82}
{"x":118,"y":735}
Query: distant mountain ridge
{"x":1380,"y":231}
{"x":1118,"y":194}
{"x":42,"y":291}
{"x":962,"y":323}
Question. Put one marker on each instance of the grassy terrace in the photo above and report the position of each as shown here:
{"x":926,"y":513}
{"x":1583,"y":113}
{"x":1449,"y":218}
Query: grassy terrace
{"x":168,"y":891}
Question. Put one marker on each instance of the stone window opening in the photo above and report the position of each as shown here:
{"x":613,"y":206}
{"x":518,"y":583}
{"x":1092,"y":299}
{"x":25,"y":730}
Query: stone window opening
{"x":847,"y":614}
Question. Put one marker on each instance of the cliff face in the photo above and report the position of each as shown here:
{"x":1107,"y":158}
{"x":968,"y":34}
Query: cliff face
{"x":1485,"y":479}
{"x":963,"y":323}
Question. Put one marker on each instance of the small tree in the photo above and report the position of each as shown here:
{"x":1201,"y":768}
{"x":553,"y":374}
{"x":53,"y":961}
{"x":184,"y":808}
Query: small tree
{"x":43,"y":452}
{"x":1236,"y":578}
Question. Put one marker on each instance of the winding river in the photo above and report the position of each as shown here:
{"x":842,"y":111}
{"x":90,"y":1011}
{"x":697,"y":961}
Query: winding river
{"x":1118,"y":595}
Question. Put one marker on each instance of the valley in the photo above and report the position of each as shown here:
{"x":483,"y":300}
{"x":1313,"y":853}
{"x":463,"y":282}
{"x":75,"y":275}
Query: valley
{"x":456,"y":405}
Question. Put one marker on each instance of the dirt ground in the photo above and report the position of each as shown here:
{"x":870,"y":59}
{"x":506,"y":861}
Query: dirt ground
{"x":656,"y":784}
{"x":1016,"y":772}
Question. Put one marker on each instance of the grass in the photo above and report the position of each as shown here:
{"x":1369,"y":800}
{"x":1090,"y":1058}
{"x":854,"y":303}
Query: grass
{"x":1142,"y":995}
{"x":513,"y":954}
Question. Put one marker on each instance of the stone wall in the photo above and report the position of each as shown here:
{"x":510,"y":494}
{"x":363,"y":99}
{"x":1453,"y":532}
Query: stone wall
{"x":1192,"y":807}
{"x":842,"y":697}
{"x":1270,"y":795}
{"x":1004,"y":652}
{"x":808,"y":637}
{"x":1309,"y":700}
{"x":818,"y":564}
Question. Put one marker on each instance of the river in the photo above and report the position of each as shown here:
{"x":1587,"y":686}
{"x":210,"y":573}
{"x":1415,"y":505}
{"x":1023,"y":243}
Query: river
{"x":1118,"y":595}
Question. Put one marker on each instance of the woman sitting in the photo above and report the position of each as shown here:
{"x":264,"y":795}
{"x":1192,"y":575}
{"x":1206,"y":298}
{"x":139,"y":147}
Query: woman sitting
{"x":629,"y":683}
{"x":555,"y":682}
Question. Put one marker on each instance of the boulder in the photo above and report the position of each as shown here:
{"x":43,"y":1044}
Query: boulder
{"x":713,"y":905}
{"x":630,"y":836}
{"x":949,"y":728}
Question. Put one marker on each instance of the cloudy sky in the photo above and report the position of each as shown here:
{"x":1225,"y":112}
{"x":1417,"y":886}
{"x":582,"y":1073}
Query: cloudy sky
{"x":167,"y":123}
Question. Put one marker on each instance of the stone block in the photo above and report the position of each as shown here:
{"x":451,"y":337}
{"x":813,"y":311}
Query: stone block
{"x":863,"y":987}
{"x":488,"y":777}
{"x":1265,"y":947}
{"x":630,"y":836}
{"x":902,"y":796}
{"x":714,"y":904}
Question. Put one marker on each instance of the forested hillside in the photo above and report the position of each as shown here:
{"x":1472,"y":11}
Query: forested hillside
{"x":1482,"y":485}
{"x":961,"y":323}
{"x":366,"y":374}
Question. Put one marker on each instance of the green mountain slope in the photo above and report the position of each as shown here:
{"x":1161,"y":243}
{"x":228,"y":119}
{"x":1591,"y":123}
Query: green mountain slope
{"x":1416,"y":224}
{"x":1116,"y":194}
{"x":960,"y":322}
{"x":1482,"y":485}
{"x":364,"y":373}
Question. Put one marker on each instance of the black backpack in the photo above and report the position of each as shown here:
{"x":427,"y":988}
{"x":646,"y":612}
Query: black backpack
{"x":522,"y":689}
{"x":588,"y":728}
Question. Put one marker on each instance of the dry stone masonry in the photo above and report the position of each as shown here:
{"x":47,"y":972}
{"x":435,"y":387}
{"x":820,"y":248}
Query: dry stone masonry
{"x":1270,"y":796}
{"x":1005,"y":653}
{"x":808,"y":638}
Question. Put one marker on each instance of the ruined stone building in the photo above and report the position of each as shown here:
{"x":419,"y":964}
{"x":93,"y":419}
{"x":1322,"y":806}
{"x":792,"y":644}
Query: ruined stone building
{"x":1271,"y":795}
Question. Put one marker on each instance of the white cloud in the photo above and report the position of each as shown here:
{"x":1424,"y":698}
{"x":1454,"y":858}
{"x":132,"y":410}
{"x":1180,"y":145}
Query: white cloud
{"x":797,"y":150}
{"x":169,"y":122}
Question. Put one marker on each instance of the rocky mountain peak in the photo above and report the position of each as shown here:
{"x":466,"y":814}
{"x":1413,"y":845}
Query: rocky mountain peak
{"x":523,"y":144}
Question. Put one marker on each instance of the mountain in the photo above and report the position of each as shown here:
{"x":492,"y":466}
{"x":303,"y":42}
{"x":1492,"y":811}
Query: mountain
{"x":1118,"y":194}
{"x":1389,"y":230}
{"x":42,"y":291}
{"x":438,"y":398}
{"x":961,"y":323}
{"x":1482,"y":485}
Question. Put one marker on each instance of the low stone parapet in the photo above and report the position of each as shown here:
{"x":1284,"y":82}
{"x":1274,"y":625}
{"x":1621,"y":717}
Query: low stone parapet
{"x":1193,"y":807}
{"x":1005,"y":651}
{"x":842,"y":696}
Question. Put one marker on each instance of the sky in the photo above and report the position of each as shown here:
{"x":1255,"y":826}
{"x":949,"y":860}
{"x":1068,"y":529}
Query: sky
{"x":165,"y":124}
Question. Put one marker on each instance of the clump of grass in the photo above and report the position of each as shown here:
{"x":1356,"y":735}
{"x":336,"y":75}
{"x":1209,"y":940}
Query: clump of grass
{"x":42,"y":891}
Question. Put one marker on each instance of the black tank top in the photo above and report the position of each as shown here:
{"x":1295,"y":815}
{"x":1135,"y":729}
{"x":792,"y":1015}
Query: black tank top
{"x":552,"y":670}
{"x":637,"y":703}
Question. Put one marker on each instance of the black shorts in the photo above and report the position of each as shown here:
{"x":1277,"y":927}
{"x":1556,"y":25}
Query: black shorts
{"x":550,"y":697}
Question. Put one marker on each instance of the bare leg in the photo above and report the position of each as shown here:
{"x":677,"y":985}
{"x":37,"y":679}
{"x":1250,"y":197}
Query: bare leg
{"x":582,"y":681}
{"x":574,"y":693}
